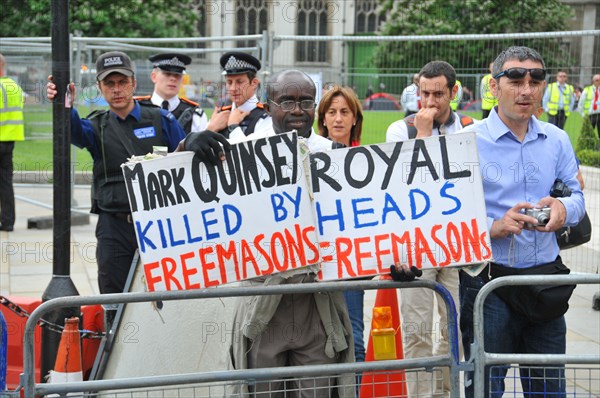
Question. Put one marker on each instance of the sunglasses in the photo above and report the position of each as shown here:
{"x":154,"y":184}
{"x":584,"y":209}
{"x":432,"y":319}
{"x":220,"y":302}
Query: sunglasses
{"x":519,"y":73}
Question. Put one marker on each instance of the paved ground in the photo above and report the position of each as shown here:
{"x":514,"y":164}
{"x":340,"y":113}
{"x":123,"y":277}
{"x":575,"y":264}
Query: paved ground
{"x":26,"y":262}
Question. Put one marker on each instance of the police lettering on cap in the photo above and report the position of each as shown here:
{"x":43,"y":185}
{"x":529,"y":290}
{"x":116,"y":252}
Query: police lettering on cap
{"x":113,"y":62}
{"x":235,"y":63}
{"x":170,"y":62}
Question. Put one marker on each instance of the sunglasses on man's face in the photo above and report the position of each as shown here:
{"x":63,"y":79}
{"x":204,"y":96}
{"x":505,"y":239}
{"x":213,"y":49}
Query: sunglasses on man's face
{"x":519,"y":73}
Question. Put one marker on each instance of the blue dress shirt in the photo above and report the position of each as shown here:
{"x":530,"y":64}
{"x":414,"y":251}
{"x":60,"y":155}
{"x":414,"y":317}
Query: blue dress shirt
{"x":515,"y":171}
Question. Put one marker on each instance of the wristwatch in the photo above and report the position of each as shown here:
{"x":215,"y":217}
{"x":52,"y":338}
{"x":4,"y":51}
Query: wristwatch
{"x":232,"y":127}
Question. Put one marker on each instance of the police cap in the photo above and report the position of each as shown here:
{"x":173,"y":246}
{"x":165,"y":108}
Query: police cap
{"x":113,"y":62}
{"x":236,"y":63}
{"x":170,"y":62}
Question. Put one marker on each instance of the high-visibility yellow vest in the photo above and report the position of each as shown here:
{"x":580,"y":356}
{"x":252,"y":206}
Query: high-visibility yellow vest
{"x":488,"y":101}
{"x":555,"y":98}
{"x":12,"y":127}
{"x":456,"y":100}
{"x":589,"y":92}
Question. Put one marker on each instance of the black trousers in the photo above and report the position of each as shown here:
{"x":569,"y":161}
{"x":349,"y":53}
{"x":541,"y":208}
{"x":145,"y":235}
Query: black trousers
{"x":558,"y":120}
{"x":485,"y":113}
{"x":7,"y":193}
{"x":595,"y":120}
{"x":116,"y":247}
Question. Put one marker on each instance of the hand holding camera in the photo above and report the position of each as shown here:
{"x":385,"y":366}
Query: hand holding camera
{"x":548,"y":215}
{"x":541,"y":215}
{"x":547,"y":206}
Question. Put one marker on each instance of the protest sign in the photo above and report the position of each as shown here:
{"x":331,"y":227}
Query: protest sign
{"x":418,"y":202}
{"x":200,"y":225}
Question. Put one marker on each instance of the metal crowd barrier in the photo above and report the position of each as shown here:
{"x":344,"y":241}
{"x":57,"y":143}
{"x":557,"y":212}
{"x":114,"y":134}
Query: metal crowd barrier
{"x":450,"y":360}
{"x":477,"y":363}
{"x":480,"y":358}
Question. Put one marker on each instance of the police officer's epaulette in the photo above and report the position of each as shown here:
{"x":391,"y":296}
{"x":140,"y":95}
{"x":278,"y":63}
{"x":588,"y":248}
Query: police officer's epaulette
{"x":147,"y":102}
{"x":264,"y":114}
{"x":187,"y":101}
{"x":142,"y":97}
{"x":96,"y":113}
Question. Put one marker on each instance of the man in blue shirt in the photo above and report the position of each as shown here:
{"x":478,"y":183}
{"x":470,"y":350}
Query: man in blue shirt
{"x":520,"y":159}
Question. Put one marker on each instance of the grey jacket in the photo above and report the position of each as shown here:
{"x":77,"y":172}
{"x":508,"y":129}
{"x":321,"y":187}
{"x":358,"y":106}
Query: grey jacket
{"x":254,"y":313}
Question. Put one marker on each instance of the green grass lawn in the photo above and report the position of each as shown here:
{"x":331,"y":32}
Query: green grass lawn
{"x":376,"y":123}
{"x":35,"y":153}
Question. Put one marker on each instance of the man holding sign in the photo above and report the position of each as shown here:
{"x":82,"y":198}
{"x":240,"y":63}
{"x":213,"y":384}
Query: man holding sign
{"x":437,"y":86}
{"x":520,"y":159}
{"x":295,"y":329}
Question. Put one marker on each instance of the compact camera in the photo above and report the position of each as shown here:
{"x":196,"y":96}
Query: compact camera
{"x":541,"y":215}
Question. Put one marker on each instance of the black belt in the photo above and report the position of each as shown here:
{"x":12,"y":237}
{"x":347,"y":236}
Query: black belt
{"x":123,"y":216}
{"x":486,"y":273}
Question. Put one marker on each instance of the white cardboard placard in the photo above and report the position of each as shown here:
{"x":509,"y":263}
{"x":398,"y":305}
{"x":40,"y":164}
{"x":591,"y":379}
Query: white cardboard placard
{"x":417,"y":202}
{"x":201,"y":225}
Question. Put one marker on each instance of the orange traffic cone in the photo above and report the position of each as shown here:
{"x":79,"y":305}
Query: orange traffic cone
{"x":67,"y":367}
{"x":392,"y":383}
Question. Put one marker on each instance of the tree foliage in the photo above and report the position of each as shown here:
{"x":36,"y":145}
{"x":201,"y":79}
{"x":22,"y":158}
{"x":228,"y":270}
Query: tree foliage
{"x":103,"y":18}
{"x":438,"y":17}
{"x":588,"y":139}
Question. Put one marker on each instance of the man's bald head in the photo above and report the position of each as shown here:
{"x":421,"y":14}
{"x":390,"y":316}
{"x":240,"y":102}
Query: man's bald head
{"x":282,"y":81}
{"x":291,"y":86}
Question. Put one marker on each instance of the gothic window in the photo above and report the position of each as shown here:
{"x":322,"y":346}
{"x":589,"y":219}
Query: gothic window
{"x":312,"y":20}
{"x":252,"y":17}
{"x":368,"y":16}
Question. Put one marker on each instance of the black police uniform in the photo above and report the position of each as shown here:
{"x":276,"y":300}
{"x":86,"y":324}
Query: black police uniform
{"x":115,"y":232}
{"x":184,"y":113}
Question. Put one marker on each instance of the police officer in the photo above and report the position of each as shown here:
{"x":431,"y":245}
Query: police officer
{"x":488,"y":101}
{"x":246,"y":114}
{"x":167,"y":77}
{"x":12,"y":129}
{"x":559,"y":100}
{"x":589,"y":103}
{"x":458,"y":97}
{"x":111,"y":136}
